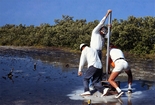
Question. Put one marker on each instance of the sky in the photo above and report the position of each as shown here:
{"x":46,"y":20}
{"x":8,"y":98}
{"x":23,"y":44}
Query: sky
{"x":37,"y":12}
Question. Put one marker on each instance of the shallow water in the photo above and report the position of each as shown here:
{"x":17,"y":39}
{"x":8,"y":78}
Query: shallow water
{"x":50,"y":78}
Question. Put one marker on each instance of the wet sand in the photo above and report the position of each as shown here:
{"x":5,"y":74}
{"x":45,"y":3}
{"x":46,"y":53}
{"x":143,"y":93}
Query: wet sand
{"x":49,"y":77}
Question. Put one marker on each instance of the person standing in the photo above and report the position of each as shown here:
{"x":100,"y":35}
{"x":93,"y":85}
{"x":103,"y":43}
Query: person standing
{"x":99,"y":34}
{"x":120,"y":64}
{"x":94,"y":70}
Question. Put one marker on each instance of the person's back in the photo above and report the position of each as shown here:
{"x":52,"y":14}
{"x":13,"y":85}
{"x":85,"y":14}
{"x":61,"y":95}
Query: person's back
{"x":94,"y":70}
{"x":116,"y":53}
{"x":97,"y":41}
{"x":120,"y":64}
{"x":91,"y":56}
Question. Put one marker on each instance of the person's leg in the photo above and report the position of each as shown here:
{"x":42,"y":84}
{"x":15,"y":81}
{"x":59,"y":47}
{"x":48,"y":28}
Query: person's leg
{"x":99,"y":52}
{"x":97,"y":78}
{"x":130,"y":79}
{"x":129,"y":73}
{"x":112,"y":78}
{"x":113,"y":83}
{"x":119,"y":66}
{"x":89,"y":73}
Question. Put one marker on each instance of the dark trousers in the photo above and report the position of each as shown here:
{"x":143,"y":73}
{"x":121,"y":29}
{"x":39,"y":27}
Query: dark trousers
{"x":96,"y":75}
{"x":99,"y":52}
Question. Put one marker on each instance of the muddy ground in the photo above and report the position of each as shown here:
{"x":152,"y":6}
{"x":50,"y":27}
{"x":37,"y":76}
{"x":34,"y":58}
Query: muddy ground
{"x":48,"y":76}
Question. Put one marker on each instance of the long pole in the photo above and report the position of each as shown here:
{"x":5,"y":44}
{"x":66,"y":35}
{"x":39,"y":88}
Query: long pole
{"x":108,"y":43}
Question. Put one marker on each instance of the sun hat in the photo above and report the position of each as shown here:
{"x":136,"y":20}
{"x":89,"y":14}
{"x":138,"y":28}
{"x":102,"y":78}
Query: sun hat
{"x":82,"y":45}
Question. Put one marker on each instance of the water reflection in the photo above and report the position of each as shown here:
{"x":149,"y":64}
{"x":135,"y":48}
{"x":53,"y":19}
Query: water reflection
{"x":140,"y":92}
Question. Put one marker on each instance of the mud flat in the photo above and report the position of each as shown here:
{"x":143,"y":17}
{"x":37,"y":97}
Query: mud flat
{"x":30,"y":76}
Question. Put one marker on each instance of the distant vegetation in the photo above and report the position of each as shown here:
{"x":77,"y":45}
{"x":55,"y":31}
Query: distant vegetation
{"x":134,"y":35}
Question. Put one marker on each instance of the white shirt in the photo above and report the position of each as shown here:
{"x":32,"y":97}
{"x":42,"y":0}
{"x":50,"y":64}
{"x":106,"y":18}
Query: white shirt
{"x":97,"y":41}
{"x":115,"y":54}
{"x":91,"y":57}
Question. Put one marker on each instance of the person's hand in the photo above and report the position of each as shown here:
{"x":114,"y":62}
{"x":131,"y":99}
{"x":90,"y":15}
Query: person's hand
{"x":110,"y":25}
{"x":109,"y":11}
{"x":79,"y":73}
{"x":109,"y":72}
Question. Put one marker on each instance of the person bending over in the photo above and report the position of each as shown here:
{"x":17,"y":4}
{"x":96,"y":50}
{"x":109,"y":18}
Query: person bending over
{"x":119,"y":64}
{"x":94,"y":70}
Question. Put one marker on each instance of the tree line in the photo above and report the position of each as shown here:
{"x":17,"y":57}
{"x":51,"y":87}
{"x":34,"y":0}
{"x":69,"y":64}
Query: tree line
{"x":134,"y":35}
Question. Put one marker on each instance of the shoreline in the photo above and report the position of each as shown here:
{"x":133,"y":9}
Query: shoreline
{"x":57,"y":54}
{"x":69,"y":50}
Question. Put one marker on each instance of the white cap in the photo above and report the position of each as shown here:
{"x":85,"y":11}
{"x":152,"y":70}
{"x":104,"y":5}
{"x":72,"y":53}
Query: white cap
{"x":81,"y":45}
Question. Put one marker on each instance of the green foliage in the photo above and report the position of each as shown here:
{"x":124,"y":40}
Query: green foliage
{"x":135,"y":35}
